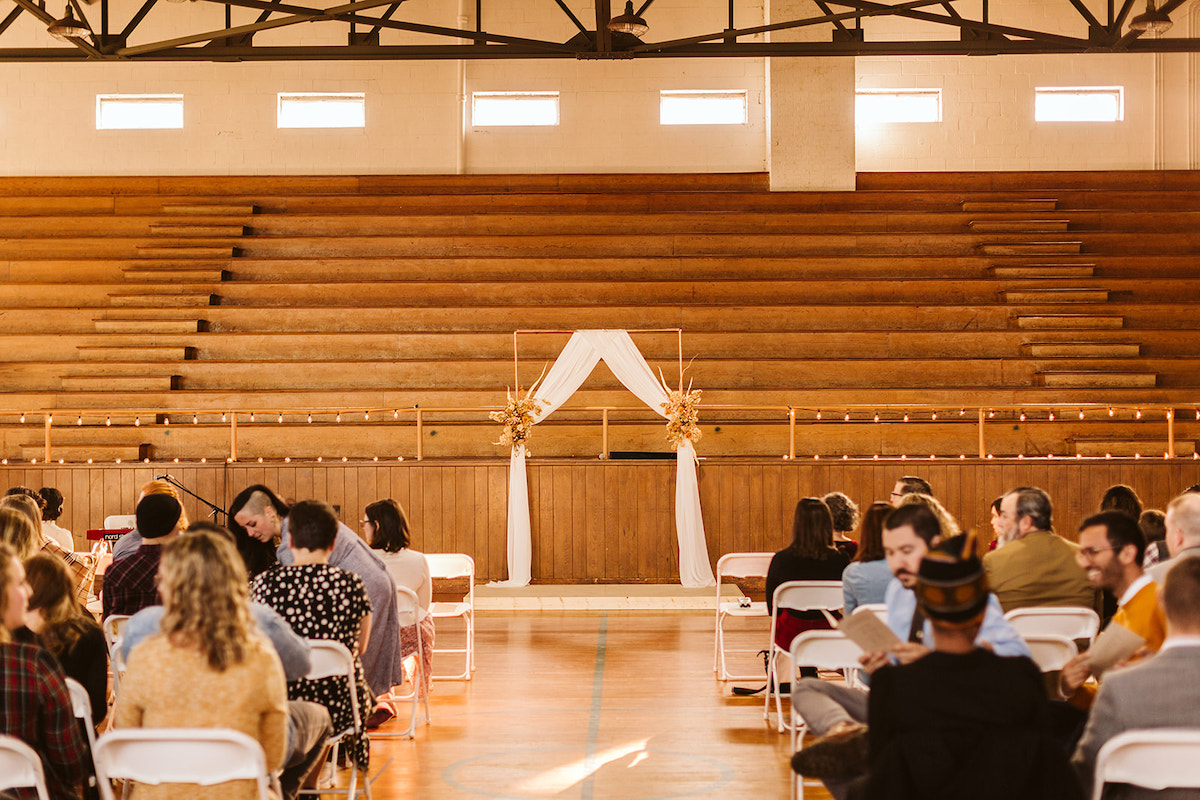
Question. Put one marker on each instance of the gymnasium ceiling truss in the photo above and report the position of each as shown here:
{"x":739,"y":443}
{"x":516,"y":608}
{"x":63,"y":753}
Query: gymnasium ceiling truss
{"x":841,"y":28}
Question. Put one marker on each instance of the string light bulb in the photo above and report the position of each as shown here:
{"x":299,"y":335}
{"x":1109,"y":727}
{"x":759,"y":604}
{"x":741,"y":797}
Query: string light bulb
{"x":1052,"y":416}
{"x":79,"y":420}
{"x":1022,"y":416}
{"x":1081,"y":413}
{"x":847,"y":417}
{"x":1197,"y":416}
{"x":195,"y":419}
{"x":818,"y":415}
{"x":222,"y":416}
{"x":166,"y":420}
{"x":89,"y":461}
{"x":991,"y":413}
{"x":203,"y":460}
{"x":366,"y":416}
{"x":310,"y":417}
{"x":280,"y":417}
{"x":396,"y":413}
{"x":252,"y":416}
{"x":906,"y":416}
{"x":1138,"y":414}
{"x":877,"y":416}
{"x":344,"y":458}
{"x":137,"y":421}
{"x":338,"y":418}
{"x":108,"y":421}
{"x":933,"y":416}
{"x":1110,"y":411}
{"x":50,"y":419}
{"x":260,"y":459}
{"x":287,"y":459}
{"x":962,"y":411}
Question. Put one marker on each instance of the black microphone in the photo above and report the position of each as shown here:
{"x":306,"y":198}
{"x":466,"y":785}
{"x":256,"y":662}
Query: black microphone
{"x":164,"y":477}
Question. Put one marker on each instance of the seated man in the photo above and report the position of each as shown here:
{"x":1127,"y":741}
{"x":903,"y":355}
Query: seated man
{"x":132,"y":584}
{"x":961,"y":721}
{"x":837,"y":710}
{"x":1160,"y":692}
{"x":1183,"y":532}
{"x":1111,"y":547}
{"x":1036,"y":567}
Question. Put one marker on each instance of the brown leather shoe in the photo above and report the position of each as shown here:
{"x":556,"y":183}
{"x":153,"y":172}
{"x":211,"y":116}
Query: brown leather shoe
{"x":838,"y":756}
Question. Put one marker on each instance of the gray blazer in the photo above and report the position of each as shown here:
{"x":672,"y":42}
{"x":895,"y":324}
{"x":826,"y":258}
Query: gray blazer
{"x":1157,"y":572}
{"x":1160,"y":692}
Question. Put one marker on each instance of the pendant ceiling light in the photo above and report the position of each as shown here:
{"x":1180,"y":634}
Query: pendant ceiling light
{"x":68,"y":28}
{"x":629,"y":22}
{"x":1152,"y":21}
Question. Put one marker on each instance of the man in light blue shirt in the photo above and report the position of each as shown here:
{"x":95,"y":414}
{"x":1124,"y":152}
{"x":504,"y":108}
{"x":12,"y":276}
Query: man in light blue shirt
{"x":836,"y":710}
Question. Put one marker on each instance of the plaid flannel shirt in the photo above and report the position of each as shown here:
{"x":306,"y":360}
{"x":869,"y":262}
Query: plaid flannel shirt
{"x":131,"y":584}
{"x":81,"y":566}
{"x":35,"y":707}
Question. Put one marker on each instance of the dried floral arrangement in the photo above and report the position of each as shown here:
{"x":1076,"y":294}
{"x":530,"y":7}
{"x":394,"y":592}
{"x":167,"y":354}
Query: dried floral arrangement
{"x":683,"y":415}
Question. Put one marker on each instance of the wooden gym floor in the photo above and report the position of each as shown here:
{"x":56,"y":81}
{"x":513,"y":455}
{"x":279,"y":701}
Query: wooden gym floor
{"x":588,"y":705}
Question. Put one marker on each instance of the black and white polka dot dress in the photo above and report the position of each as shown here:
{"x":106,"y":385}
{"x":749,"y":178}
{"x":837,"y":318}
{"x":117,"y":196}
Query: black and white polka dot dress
{"x":321,"y":601}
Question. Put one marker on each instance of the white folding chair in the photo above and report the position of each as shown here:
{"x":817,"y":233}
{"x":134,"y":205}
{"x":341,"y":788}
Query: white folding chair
{"x":331,"y":659}
{"x":1050,"y":652}
{"x":81,"y":706}
{"x":823,"y":596}
{"x":21,"y":767}
{"x":203,"y":756}
{"x":878,"y":609}
{"x":113,"y":627}
{"x":1157,"y":758}
{"x":408,"y":608}
{"x":1073,"y":622}
{"x":737,"y":565}
{"x":445,"y":566}
{"x":823,"y":650}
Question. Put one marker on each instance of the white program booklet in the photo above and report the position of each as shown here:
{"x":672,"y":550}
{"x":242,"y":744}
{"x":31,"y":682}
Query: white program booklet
{"x":868,"y":631}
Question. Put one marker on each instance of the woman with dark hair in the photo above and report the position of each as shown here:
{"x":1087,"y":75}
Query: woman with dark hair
{"x":50,"y":514}
{"x":256,"y":548}
{"x":845,"y":520}
{"x":386,"y":528}
{"x":865,"y":580}
{"x":810,"y":557}
{"x":1122,"y":498}
{"x":1154,"y":527}
{"x":64,"y":628}
{"x":321,"y":601}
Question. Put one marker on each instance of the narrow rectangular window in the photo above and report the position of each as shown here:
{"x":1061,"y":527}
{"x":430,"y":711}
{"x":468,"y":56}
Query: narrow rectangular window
{"x":702,"y":107}
{"x":322,"y":110}
{"x":1079,"y":104}
{"x":880,"y":106}
{"x":139,"y":111}
{"x":494,"y":109}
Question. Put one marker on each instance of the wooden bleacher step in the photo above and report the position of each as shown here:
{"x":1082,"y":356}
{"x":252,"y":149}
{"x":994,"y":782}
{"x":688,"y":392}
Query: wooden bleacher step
{"x":80,"y":453}
{"x":149,"y":325}
{"x":1055,"y":296}
{"x":120,"y":383}
{"x":1043,"y":270}
{"x":1031,"y":248}
{"x":1058,"y":322}
{"x":135,"y":353}
{"x":196,"y":229}
{"x":1148,"y":448}
{"x":206,"y":252}
{"x":1099,"y":380}
{"x":175,"y":274}
{"x":180,"y":299}
{"x":213,"y":210}
{"x":1085,"y":350}
{"x":989,"y":206}
{"x":1018,"y":225}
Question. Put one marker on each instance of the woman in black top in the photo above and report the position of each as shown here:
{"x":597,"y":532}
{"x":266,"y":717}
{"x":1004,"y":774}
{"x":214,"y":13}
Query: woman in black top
{"x":810,"y":557}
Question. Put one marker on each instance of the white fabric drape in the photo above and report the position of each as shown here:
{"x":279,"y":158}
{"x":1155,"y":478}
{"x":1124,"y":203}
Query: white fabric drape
{"x":577,"y":360}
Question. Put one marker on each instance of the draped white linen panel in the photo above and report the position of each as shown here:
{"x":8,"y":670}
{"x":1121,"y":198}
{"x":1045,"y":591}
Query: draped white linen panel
{"x":584,"y":350}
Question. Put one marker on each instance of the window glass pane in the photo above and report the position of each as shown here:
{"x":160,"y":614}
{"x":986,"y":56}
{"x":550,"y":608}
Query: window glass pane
{"x":1079,"y":104}
{"x":702,"y":107}
{"x":134,"y":111}
{"x":322,"y":110}
{"x":878,"y":106}
{"x":514,"y":108}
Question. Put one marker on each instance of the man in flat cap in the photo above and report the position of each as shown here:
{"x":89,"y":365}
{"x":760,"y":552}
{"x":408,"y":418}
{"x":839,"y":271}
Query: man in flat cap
{"x":132,"y":583}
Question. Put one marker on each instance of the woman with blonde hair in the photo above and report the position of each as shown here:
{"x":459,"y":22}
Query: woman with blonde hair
{"x":945,"y":521}
{"x":17,"y":531}
{"x":64,"y":628}
{"x":128,"y":544}
{"x":207,"y":667}
{"x":82,"y":566}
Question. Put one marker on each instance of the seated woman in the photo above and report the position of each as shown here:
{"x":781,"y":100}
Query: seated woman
{"x":321,"y":601}
{"x":810,"y":557}
{"x":207,"y":668}
{"x":35,"y":705}
{"x":18,"y":532}
{"x":845,"y":520}
{"x":64,"y":628}
{"x":865,"y":580}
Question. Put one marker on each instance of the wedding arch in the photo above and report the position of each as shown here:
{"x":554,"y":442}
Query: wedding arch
{"x":584,"y":350}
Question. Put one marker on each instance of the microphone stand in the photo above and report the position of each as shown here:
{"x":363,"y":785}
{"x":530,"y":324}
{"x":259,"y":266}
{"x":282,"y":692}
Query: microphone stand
{"x":171,"y":480}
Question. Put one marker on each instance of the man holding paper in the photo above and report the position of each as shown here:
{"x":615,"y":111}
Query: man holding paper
{"x":1160,"y":692}
{"x":1111,"y":546}
{"x":839,"y":712}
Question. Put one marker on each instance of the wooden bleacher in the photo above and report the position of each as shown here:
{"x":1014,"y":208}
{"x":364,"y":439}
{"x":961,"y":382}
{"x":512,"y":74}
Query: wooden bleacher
{"x":164,"y":297}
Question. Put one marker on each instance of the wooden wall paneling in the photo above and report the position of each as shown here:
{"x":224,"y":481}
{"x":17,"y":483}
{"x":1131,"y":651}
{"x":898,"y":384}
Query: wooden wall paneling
{"x":581,"y":510}
{"x":754,"y":520}
{"x":540,"y":499}
{"x":463,"y":507}
{"x":741,"y":497}
{"x":596,"y":548}
{"x":772,"y":481}
{"x":431,"y":501}
{"x":561,"y":514}
{"x":497,"y":523}
{"x":627,"y":521}
{"x":479,"y":512}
